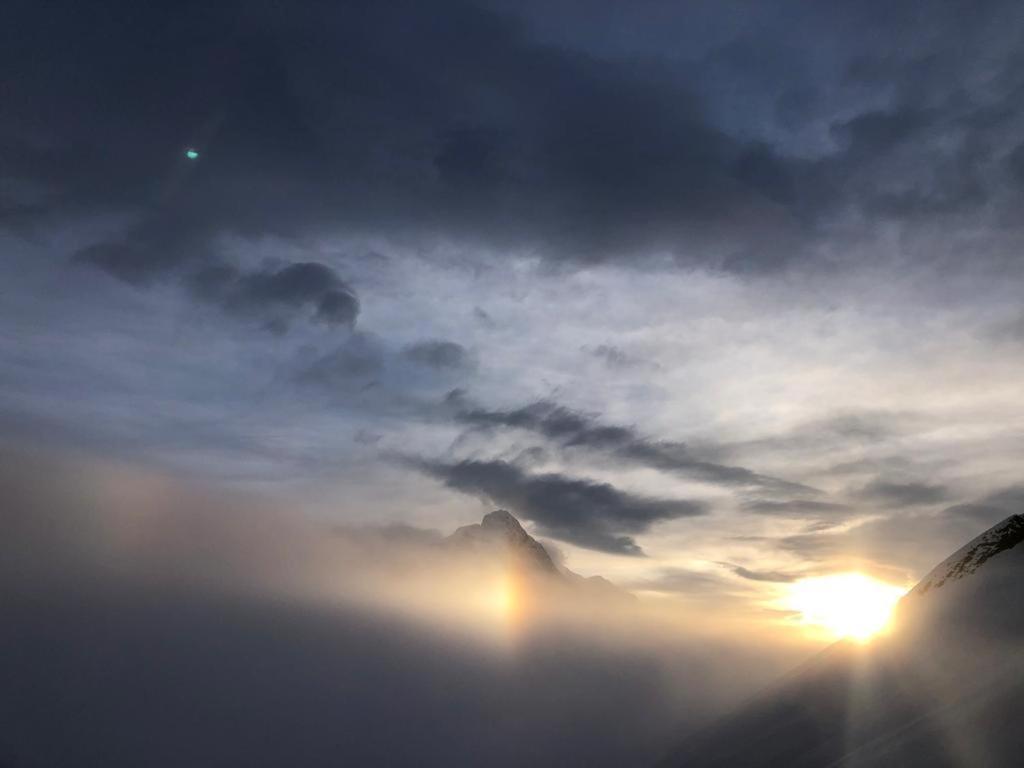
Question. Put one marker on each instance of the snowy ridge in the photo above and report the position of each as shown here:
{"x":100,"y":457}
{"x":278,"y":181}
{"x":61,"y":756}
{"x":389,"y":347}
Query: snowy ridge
{"x":972,"y":556}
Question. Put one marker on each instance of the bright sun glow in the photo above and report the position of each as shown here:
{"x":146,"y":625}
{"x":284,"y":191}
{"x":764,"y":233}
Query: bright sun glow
{"x":846,"y":605}
{"x":503,"y":598}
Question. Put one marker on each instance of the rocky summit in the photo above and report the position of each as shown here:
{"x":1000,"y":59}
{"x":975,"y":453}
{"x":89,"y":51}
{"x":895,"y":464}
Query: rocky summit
{"x":500,"y":529}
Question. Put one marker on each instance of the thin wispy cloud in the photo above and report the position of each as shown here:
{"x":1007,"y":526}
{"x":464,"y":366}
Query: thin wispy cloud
{"x":572,"y":429}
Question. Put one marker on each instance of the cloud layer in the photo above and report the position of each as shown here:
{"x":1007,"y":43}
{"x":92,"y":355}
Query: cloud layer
{"x":586,"y":513}
{"x":573,"y":429}
{"x":254,"y":637}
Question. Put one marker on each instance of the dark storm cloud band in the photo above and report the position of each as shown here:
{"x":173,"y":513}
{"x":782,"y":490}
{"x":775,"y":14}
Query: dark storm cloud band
{"x":321,"y":116}
{"x":278,"y":294}
{"x":573,"y":429}
{"x":452,"y":118}
{"x":582,"y":512}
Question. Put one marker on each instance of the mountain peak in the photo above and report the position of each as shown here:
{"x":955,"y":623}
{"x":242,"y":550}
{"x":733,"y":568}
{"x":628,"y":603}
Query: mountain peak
{"x":970,"y":557}
{"x":501,"y":528}
{"x":501,"y":519}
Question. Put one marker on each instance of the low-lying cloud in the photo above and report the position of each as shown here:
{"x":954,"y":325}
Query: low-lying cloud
{"x":149,"y":623}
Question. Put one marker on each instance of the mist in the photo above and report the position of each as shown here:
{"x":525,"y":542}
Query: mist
{"x":149,"y":620}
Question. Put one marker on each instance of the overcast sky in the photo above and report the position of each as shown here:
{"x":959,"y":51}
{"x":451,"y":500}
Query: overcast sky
{"x":711,"y":295}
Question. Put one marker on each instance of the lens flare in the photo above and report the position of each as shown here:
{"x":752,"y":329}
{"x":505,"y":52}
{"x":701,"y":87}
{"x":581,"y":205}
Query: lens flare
{"x":845,"y":605}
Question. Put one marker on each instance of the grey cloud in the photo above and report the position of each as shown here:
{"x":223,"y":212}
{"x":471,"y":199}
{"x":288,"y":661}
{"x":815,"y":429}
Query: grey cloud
{"x":321,"y":117}
{"x":327,"y":117}
{"x":573,"y":429}
{"x":131,"y":262}
{"x":277,"y":295}
{"x":874,"y":132}
{"x":367,"y":437}
{"x":874,"y":465}
{"x":439,"y":354}
{"x":334,"y":116}
{"x":1015,"y":163}
{"x":839,"y":430}
{"x":589,"y":514}
{"x":866,"y":426}
{"x":796,"y":508}
{"x":910,"y":541}
{"x":484,"y":318}
{"x":353,"y":363}
{"x":816,"y":526}
{"x":769,"y":576}
{"x":684,"y":581}
{"x":898,"y":494}
{"x":992,"y":508}
{"x":614,"y":357}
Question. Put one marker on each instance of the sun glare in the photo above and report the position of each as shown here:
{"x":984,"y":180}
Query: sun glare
{"x":845,"y":605}
{"x":503,"y":598}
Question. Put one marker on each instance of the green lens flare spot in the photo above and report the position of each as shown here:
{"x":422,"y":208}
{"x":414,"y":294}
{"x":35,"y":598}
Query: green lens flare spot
{"x":191,"y":154}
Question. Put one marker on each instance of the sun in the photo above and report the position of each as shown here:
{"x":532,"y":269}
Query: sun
{"x":845,"y":605}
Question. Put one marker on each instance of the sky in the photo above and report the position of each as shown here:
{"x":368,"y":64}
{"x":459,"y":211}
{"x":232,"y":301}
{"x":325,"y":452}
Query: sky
{"x":711,"y":295}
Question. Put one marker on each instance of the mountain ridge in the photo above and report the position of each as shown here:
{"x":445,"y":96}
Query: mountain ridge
{"x":1001,"y":537}
{"x":502,"y":528}
{"x":501,"y":531}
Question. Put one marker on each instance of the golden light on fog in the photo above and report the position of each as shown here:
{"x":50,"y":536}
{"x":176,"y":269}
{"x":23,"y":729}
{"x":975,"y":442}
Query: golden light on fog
{"x":504,"y":599}
{"x":845,"y":605}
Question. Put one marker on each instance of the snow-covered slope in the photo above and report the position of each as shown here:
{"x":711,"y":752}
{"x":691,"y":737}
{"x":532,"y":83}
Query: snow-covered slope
{"x":946,"y":688}
{"x":974,"y":554}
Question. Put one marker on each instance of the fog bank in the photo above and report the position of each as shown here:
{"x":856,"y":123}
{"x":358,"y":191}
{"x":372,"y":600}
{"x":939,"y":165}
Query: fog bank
{"x":150,"y":622}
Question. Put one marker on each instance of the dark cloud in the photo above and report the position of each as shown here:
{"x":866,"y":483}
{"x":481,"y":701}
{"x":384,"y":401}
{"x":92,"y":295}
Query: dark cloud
{"x":878,"y":131}
{"x":459,"y":120}
{"x":896,"y":494}
{"x":1015,"y":163}
{"x":132,"y":261}
{"x":484,"y":318}
{"x":574,"y":429}
{"x":906,"y":541}
{"x":583,"y":512}
{"x":614,"y":357}
{"x":325,"y":117}
{"x":439,"y":354}
{"x":322,"y":117}
{"x":367,"y":437}
{"x":992,"y":508}
{"x":354,"y":363}
{"x":770,"y":576}
{"x":277,"y":295}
